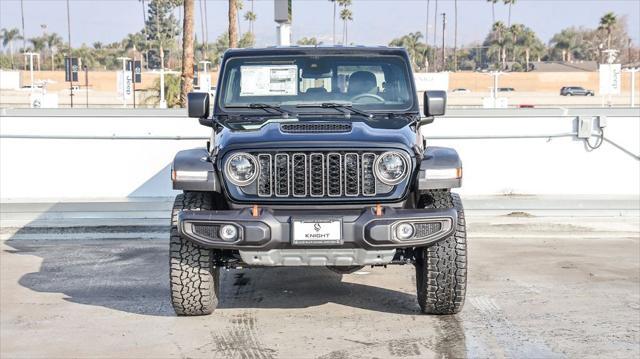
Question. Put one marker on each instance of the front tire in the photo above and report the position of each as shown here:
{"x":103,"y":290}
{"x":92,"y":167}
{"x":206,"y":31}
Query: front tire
{"x":441,"y":269}
{"x":193,"y":275}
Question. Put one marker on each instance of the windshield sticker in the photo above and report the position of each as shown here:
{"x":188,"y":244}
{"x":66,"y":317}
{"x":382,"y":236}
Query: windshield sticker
{"x":269,"y":80}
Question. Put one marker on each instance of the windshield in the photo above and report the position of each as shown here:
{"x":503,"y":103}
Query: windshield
{"x":369,"y":83}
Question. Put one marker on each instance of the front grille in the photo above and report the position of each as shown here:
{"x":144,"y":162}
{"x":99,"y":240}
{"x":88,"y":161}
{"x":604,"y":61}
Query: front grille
{"x":206,"y":230}
{"x":316,"y":174}
{"x":426,"y":229}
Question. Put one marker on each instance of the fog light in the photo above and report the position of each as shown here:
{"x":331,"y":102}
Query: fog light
{"x":404,"y":231}
{"x":228,"y":232}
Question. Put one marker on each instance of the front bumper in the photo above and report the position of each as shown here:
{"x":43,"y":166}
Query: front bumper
{"x":272,"y":228}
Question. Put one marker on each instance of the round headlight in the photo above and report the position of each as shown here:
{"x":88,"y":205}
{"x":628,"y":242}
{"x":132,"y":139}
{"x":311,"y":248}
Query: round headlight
{"x":391,"y":168}
{"x":228,"y":232}
{"x":241,"y":169}
{"x":404,"y":231}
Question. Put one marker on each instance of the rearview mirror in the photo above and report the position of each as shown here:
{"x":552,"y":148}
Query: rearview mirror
{"x":435,"y":103}
{"x":198,"y":104}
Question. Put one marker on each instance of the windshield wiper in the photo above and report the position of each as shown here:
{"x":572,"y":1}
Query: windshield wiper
{"x":338,"y":106}
{"x":266,"y":107}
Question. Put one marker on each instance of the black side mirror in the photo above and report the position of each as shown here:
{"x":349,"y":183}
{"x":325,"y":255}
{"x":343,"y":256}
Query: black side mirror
{"x":198,"y":104}
{"x":435,"y":103}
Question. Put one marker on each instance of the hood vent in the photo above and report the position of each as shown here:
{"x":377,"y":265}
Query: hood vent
{"x":318,"y":127}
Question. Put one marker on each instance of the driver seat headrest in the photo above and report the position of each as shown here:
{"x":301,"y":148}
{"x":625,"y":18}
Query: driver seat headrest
{"x":362,"y":82}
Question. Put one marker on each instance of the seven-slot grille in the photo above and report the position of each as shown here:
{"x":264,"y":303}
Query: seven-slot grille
{"x":316,"y":174}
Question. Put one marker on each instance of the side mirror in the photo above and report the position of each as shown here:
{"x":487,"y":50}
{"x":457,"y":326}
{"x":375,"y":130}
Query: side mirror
{"x":435,"y":103}
{"x":198,"y":104}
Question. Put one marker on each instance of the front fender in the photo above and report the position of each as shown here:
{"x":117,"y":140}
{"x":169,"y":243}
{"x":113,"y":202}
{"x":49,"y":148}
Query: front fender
{"x":440,"y":168}
{"x":192,"y":170}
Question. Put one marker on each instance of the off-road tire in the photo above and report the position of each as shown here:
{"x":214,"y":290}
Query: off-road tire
{"x":441,"y":269}
{"x":192,"y":274}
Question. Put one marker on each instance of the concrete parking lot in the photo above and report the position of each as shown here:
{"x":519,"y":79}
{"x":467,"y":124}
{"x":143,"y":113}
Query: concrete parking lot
{"x":538,"y":287}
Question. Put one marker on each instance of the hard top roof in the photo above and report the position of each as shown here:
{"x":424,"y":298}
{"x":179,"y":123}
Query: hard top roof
{"x":315,"y":50}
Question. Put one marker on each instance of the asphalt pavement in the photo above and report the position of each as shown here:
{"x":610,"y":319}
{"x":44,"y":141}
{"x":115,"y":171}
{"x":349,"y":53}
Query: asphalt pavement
{"x":539,"y":287}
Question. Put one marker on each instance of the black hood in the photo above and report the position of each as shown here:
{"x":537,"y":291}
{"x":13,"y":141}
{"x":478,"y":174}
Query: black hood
{"x":353,"y":135}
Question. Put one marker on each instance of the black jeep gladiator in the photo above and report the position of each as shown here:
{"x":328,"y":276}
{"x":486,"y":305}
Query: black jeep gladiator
{"x":316,"y":158}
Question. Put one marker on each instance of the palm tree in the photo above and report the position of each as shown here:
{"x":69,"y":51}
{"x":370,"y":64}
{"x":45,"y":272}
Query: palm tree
{"x":186,"y":77}
{"x":515,"y":30}
{"x":250,"y":16}
{"x":345,"y":15}
{"x":239,"y":6}
{"x":39,"y":45}
{"x":53,"y":42}
{"x":233,"y":31}
{"x":531,"y":44}
{"x":493,"y":10}
{"x":499,"y":30}
{"x":607,"y":23}
{"x":510,"y":3}
{"x":8,"y":37}
{"x":418,"y":51}
{"x":309,"y":41}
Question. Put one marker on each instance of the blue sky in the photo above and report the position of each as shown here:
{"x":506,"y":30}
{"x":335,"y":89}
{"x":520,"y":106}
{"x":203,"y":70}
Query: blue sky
{"x":375,"y":22}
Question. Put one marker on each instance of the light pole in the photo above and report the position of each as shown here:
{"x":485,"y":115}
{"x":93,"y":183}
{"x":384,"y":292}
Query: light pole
{"x":163,"y":102}
{"x":24,"y":36}
{"x":70,"y":52}
{"x":334,"y":20}
{"x":444,"y":24}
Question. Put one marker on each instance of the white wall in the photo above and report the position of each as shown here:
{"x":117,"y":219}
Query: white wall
{"x":544,"y":165}
{"x":107,"y":168}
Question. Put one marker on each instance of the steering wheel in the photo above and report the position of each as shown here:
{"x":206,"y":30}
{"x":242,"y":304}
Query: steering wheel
{"x":365,"y":95}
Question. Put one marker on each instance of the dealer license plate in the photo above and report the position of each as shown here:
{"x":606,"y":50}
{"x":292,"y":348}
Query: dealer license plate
{"x":315,"y":232}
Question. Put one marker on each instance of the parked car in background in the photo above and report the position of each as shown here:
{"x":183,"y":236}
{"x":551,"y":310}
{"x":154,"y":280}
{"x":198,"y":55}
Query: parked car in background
{"x":506,"y":89}
{"x":575,"y":91}
{"x":461,"y":90}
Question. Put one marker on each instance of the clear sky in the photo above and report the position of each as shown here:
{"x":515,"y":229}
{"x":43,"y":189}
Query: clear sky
{"x":375,"y":22}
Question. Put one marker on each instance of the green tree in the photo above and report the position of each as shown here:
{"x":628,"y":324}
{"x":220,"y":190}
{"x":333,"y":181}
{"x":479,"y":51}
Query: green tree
{"x":309,"y":41}
{"x":531,"y":45}
{"x":571,"y":44}
{"x":345,"y":15}
{"x":607,"y":24}
{"x":250,"y":16}
{"x":53,"y":41}
{"x":515,"y":31}
{"x":222,"y":44}
{"x":496,"y":43}
{"x":239,"y":6}
{"x":161,"y":29}
{"x":171,"y":92}
{"x":39,"y":44}
{"x":418,"y":50}
{"x":8,"y":37}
